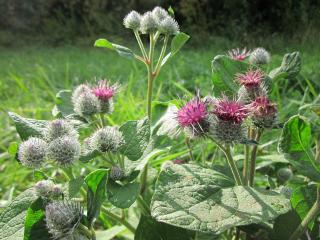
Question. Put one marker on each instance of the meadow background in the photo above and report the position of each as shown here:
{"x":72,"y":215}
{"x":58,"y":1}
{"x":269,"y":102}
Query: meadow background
{"x":46,"y":46}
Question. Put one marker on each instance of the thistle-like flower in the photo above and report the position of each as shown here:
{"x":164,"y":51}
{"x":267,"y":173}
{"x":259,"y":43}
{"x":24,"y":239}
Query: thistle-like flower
{"x":148,"y":23}
{"x":32,"y":152}
{"x":58,"y":128}
{"x":238,"y":54}
{"x":48,"y":189}
{"x":132,"y":20}
{"x":63,"y":219}
{"x":107,"y":139}
{"x":193,"y":117}
{"x":263,"y":112}
{"x":116,"y":173}
{"x":159,"y":14}
{"x":105,"y":92}
{"x":169,"y":26}
{"x":87,"y":104}
{"x":64,"y":150}
{"x":259,"y":56}
{"x":252,"y":85}
{"x":227,"y":126}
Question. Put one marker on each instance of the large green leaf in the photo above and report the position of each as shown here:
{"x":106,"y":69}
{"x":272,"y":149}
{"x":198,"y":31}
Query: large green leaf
{"x":28,"y":127}
{"x":96,"y":182}
{"x":122,"y":196}
{"x":35,"y":225}
{"x":74,"y":186}
{"x":149,"y":229}
{"x":295,"y":143}
{"x":121,"y":50}
{"x":136,"y":136}
{"x":290,"y":66}
{"x":285,"y":225}
{"x":302,"y":199}
{"x":224,"y":70}
{"x":204,"y":200}
{"x":13,"y":216}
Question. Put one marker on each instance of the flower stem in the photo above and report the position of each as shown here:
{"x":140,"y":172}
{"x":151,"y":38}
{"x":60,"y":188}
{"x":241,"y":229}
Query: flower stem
{"x":312,"y":214}
{"x":245,"y":172}
{"x":254,"y":157}
{"x":88,"y":233}
{"x":233,"y":165}
{"x":118,"y":219}
{"x":162,"y":54}
{"x":143,"y":50}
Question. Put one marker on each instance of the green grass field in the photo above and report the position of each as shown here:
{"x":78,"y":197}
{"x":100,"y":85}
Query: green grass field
{"x":30,"y":78}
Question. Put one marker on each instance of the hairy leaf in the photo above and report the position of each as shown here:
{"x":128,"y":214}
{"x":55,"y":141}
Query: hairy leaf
{"x":28,"y":127}
{"x":13,"y":216}
{"x":63,"y":107}
{"x":121,"y":50}
{"x":96,"y":182}
{"x":204,"y":200}
{"x":295,"y":143}
{"x":136,"y":135}
{"x":74,"y":186}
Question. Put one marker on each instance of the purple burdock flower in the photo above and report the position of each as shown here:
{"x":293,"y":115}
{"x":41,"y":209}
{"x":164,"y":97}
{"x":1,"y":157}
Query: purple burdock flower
{"x":179,"y":161}
{"x":238,"y":54}
{"x":230,"y":115}
{"x":192,"y":117}
{"x":250,"y":79}
{"x":263,"y":112}
{"x":105,"y":92}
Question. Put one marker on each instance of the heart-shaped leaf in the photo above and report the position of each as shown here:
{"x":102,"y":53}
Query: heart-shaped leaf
{"x":96,"y":182}
{"x":295,"y":143}
{"x":204,"y":200}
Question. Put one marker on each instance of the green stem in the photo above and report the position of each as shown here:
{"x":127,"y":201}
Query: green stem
{"x":118,"y":219}
{"x":162,"y":54}
{"x":102,"y":120}
{"x":143,"y":50}
{"x":254,"y":157}
{"x":312,"y":214}
{"x":83,"y":229}
{"x":190,"y":149}
{"x":233,"y":165}
{"x":245,"y":172}
{"x":143,"y":206}
{"x":317,"y":156}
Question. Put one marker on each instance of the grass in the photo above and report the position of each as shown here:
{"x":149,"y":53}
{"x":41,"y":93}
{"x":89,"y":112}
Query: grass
{"x":30,"y":78}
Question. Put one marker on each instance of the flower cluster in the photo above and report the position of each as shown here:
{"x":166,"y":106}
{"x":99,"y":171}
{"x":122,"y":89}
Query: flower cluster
{"x":88,"y":100}
{"x":59,"y":143}
{"x":48,"y":189}
{"x":152,"y":21}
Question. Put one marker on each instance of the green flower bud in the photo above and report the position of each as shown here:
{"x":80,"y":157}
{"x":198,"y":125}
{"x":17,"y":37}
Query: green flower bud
{"x":148,"y":23}
{"x":83,"y":88}
{"x":169,"y":26}
{"x":107,"y":139}
{"x":87,"y":104}
{"x":227,"y":132}
{"x":64,"y":150}
{"x":259,"y":56}
{"x":32,"y":152}
{"x":58,"y":128}
{"x":284,"y":175}
{"x":63,"y":219}
{"x":116,"y":173}
{"x":47,"y":189}
{"x":132,"y":20}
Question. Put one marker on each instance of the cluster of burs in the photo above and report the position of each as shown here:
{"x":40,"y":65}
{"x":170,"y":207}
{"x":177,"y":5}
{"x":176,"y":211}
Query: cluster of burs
{"x":152,"y":21}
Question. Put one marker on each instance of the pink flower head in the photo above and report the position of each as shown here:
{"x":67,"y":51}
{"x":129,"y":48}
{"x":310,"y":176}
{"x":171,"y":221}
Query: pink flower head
{"x":230,"y":111}
{"x":250,"y":79}
{"x":192,"y":113}
{"x":262,"y":107}
{"x":179,"y":161}
{"x":104,"y":91}
{"x":238,"y":54}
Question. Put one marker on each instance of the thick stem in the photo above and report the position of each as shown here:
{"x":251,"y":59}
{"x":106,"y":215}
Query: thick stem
{"x":233,"y":165}
{"x":254,"y":157}
{"x":190,"y":149}
{"x":312,"y":214}
{"x":118,"y":219}
{"x":88,"y":233}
